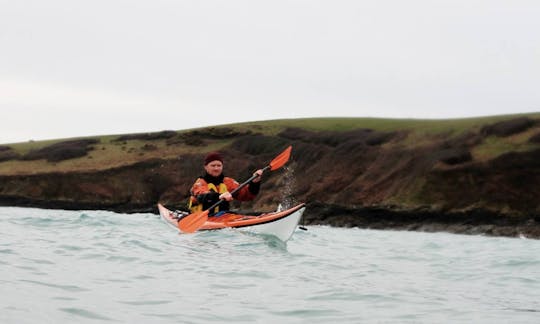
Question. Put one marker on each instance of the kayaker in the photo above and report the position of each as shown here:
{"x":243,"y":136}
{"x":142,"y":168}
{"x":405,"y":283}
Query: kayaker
{"x":213,"y":186}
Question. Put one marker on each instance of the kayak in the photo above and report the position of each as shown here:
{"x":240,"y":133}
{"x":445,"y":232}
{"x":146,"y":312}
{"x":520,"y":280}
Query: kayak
{"x":280,"y":224}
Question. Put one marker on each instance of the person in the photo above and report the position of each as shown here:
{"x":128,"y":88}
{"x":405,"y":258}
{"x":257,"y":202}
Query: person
{"x":214,"y":186}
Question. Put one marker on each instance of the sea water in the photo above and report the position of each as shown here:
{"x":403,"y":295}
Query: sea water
{"x":95,"y":266}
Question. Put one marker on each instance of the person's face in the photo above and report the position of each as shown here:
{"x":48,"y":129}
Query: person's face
{"x":214,"y":168}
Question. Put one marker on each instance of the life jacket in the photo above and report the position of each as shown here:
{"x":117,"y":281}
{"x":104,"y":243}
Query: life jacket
{"x":195,"y":206}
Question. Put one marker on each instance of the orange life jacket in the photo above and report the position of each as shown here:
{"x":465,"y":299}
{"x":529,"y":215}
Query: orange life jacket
{"x":228,"y":185}
{"x":194,"y":206}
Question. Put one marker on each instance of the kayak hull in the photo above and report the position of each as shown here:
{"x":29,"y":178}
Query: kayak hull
{"x":280,"y":224}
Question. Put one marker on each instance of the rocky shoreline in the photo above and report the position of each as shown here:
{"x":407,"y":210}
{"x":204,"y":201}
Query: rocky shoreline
{"x":472,"y":222}
{"x":476,"y":178}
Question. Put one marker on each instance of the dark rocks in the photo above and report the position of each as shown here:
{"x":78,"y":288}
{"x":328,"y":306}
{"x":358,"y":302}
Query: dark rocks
{"x":357,"y":137}
{"x":535,"y":138}
{"x":474,"y":221}
{"x":149,"y":147}
{"x":508,"y":127}
{"x":204,"y":136}
{"x":259,"y":144}
{"x":453,"y":156}
{"x":379,"y":138}
{"x":7,"y":153}
{"x":62,"y":151}
{"x":127,"y":207}
{"x":217,"y":133}
{"x":147,"y":136}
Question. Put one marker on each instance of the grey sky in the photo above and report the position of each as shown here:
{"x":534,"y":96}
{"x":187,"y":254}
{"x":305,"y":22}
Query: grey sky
{"x":76,"y":68}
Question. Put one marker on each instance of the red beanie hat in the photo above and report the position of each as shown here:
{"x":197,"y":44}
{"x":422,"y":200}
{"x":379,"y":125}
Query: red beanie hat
{"x":214,"y":156}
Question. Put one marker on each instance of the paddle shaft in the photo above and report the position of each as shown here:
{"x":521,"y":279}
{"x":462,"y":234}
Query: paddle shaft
{"x":242,"y":185}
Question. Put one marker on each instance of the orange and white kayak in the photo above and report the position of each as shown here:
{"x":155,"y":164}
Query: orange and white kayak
{"x":280,"y":224}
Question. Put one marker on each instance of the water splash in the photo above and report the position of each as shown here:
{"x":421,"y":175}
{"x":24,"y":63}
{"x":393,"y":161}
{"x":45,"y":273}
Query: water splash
{"x":288,"y":184}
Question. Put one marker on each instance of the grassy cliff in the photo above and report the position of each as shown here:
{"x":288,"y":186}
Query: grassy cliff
{"x":352,"y":171}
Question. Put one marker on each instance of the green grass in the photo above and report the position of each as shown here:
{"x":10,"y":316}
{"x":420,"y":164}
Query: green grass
{"x":427,"y":126}
{"x":494,"y":146}
{"x":109,"y":153}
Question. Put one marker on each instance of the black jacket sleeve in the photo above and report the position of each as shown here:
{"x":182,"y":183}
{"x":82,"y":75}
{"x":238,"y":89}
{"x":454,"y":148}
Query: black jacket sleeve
{"x":254,"y":187}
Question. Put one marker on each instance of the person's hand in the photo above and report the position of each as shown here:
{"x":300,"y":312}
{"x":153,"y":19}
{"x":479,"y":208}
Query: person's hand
{"x":258,"y":173}
{"x":226,"y":196}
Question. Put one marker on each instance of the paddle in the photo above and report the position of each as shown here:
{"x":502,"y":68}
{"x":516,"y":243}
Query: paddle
{"x":193,"y":222}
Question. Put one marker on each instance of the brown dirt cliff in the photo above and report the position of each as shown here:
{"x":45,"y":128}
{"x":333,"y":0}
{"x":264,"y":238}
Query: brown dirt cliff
{"x":477,"y":180}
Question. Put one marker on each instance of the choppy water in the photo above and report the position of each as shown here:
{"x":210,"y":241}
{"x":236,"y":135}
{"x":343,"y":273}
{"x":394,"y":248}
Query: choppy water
{"x":95,"y":266}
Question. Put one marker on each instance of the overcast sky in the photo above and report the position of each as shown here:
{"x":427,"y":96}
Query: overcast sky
{"x":75,"y":68}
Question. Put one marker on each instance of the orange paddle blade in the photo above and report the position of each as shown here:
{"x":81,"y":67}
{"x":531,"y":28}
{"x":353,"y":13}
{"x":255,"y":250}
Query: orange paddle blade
{"x":193,"y":222}
{"x":281,"y":159}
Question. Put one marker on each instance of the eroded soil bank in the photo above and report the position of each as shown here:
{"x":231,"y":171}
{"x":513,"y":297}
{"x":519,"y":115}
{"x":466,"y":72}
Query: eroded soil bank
{"x":362,"y":177}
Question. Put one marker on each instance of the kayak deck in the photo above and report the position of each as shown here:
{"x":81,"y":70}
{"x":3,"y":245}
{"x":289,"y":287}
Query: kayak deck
{"x":279,"y":223}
